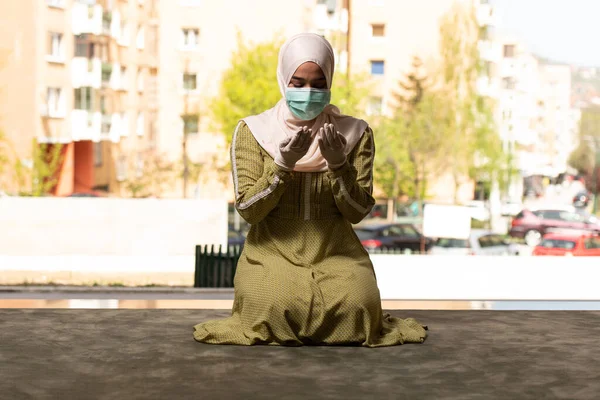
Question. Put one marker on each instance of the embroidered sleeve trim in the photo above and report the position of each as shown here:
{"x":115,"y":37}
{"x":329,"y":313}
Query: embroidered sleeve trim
{"x":260,"y":195}
{"x":349,"y":199}
{"x":234,"y":161}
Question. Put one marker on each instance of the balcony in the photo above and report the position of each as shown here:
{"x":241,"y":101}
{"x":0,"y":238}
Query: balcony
{"x":87,"y":18}
{"x":110,"y":127}
{"x":508,"y":67}
{"x":487,"y":87}
{"x":86,"y":72}
{"x":326,"y":19}
{"x":86,"y":125}
{"x":489,"y":51}
{"x":118,"y":78}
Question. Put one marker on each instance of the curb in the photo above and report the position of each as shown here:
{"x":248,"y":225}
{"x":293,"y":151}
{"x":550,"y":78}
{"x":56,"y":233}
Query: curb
{"x":111,"y":289}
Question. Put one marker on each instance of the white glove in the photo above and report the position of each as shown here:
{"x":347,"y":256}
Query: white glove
{"x":293,"y":148}
{"x":332,"y":145}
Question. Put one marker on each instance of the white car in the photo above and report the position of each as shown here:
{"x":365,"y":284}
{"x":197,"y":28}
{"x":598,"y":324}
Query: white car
{"x":481,"y":243}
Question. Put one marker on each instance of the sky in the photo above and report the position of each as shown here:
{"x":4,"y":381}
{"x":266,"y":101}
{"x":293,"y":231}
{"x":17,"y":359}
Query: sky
{"x":561,"y":30}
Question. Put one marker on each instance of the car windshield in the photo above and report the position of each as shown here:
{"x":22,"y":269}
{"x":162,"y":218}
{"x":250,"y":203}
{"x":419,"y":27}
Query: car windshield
{"x":453,"y":243}
{"x":365,"y":234}
{"x":557,"y":244}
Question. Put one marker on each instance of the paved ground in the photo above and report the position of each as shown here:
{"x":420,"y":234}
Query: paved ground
{"x":150,"y":354}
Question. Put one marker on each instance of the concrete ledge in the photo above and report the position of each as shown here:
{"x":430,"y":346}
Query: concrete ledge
{"x":400,"y":277}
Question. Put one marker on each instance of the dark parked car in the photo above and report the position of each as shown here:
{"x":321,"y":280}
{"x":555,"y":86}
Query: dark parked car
{"x":391,"y":236}
{"x":533,"y":225}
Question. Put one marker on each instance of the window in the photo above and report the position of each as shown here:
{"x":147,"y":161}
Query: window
{"x":106,"y":73}
{"x":54,"y":102}
{"x":56,"y":3}
{"x":140,"y":80}
{"x":139,"y":39}
{"x":448,"y":243}
{"x":509,"y":51}
{"x":491,"y":241}
{"x":557,"y":244}
{"x":592,"y":243}
{"x":106,"y":124}
{"x":190,"y":37}
{"x":97,"y":154}
{"x":55,"y":46}
{"x":106,"y":21}
{"x":103,"y":104}
{"x":83,"y":47}
{"x":123,"y":37}
{"x":377,"y":30}
{"x":571,"y":217}
{"x":190,"y":124}
{"x":189,"y":82}
{"x":509,"y":83}
{"x":123,"y":78}
{"x":140,"y":124}
{"x":83,"y":98}
{"x":375,"y":105}
{"x":377,"y":67}
{"x":549,"y":214}
{"x":124,"y":124}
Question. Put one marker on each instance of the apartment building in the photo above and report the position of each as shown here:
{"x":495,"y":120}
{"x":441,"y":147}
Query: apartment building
{"x":117,"y":79}
{"x":538,"y":124}
{"x":80,"y":73}
{"x":377,"y":38}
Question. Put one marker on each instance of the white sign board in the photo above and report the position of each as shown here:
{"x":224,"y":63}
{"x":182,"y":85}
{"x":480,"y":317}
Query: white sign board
{"x":445,"y":221}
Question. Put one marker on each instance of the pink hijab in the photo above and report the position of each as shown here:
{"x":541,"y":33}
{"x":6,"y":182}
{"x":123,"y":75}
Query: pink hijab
{"x":272,"y":126}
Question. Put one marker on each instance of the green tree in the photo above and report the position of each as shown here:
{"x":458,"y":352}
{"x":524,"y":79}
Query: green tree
{"x":4,"y":153}
{"x":149,"y":174}
{"x":585,"y":157}
{"x":39,"y":177}
{"x":249,"y":86}
{"x":582,"y":159}
{"x":414,"y":137}
{"x":475,"y":147}
{"x":5,"y":161}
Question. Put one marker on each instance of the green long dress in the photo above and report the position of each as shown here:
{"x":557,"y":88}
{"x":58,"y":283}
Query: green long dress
{"x":303,"y":276}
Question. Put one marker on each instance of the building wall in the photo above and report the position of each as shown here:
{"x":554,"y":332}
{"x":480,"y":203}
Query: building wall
{"x":411,"y":29}
{"x":18,"y":69}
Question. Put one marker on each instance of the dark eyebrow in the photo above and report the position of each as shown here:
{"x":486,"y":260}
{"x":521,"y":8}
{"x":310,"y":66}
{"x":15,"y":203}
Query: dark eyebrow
{"x":297,"y":78}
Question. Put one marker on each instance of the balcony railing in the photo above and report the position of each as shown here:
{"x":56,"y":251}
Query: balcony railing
{"x":86,"y":18}
{"x":86,"y":72}
{"x":86,"y":125}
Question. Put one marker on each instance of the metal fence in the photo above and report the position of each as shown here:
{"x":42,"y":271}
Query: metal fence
{"x":215,"y":266}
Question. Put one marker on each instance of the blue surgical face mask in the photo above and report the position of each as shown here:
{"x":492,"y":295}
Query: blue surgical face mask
{"x":307,"y":103}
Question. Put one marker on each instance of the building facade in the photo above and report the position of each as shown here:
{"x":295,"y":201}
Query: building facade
{"x":115,"y":81}
{"x":82,"y":74}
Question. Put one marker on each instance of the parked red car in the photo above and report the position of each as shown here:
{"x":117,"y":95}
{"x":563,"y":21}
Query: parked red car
{"x":557,"y":244}
{"x":533,"y":225}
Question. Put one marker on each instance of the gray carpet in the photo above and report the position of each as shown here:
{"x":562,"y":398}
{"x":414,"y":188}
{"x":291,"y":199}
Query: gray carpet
{"x":150,"y":354}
